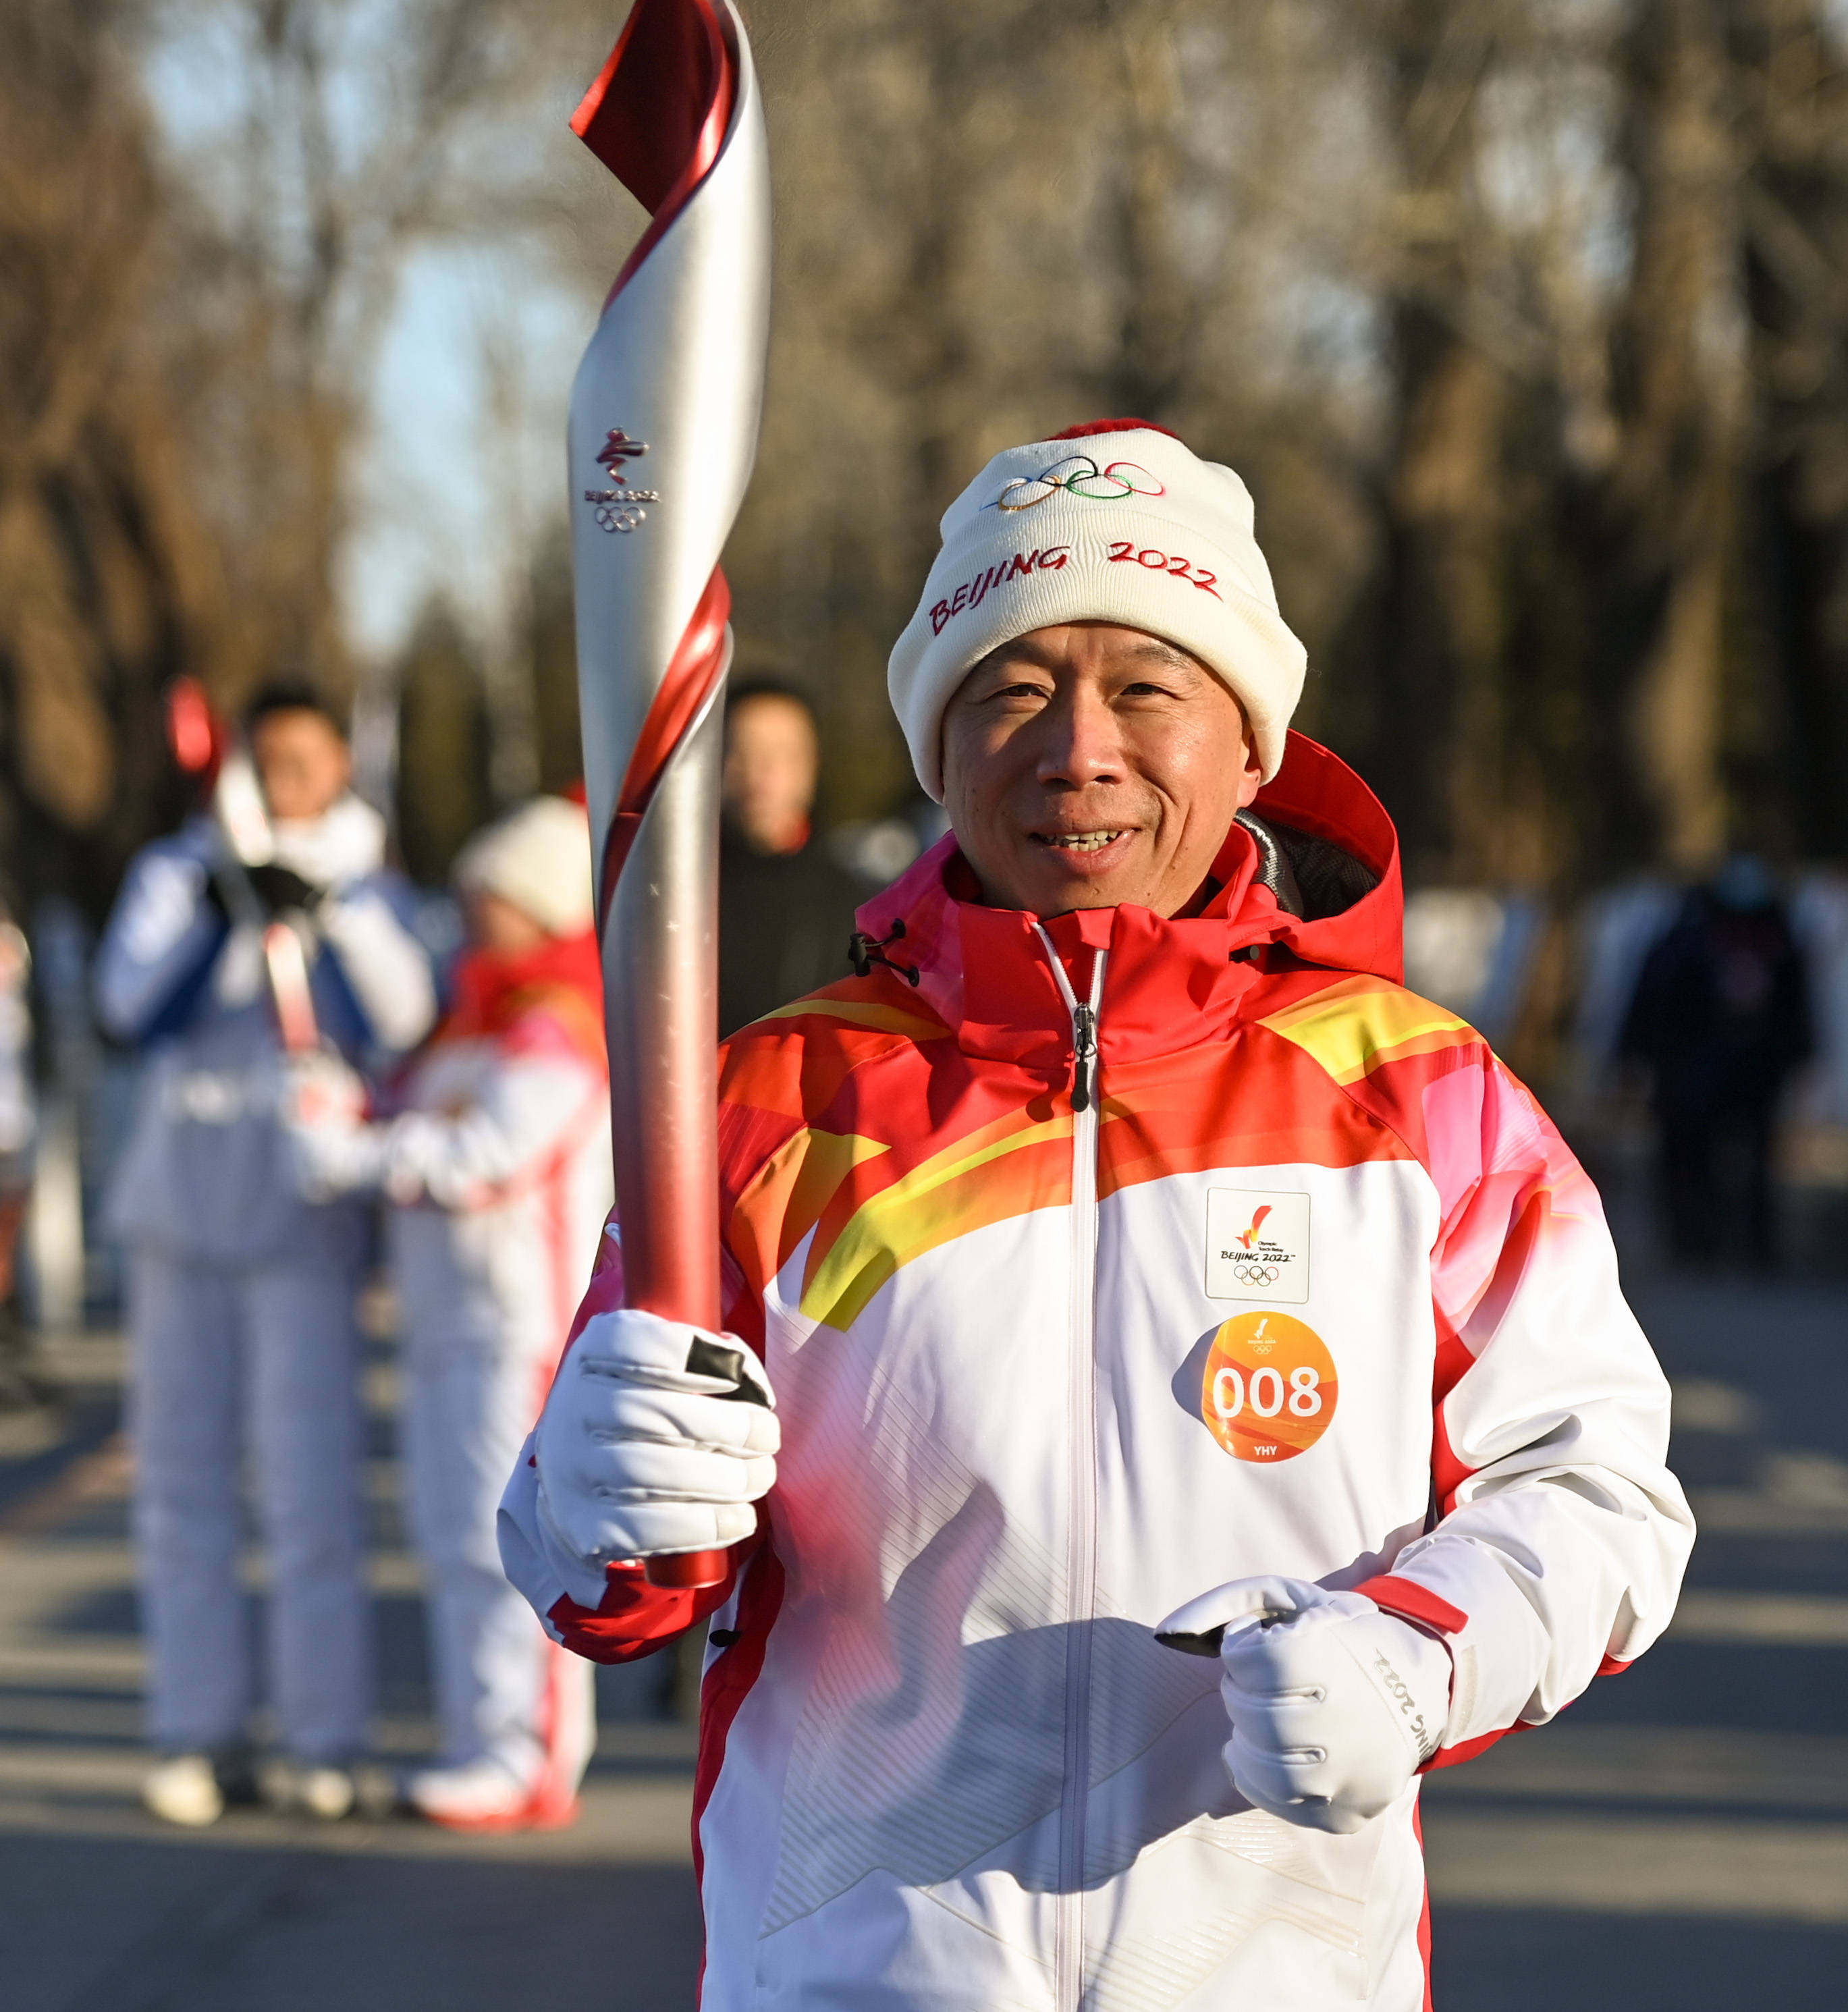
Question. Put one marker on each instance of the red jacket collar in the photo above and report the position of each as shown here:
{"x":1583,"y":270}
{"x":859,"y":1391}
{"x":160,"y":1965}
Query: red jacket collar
{"x":1168,"y":984}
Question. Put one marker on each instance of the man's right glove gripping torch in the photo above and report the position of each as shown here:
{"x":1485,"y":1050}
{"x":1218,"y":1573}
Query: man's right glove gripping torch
{"x":657,"y":1437}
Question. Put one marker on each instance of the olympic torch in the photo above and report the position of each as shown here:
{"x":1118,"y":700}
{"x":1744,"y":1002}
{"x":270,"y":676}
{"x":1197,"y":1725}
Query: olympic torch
{"x":662,"y":435}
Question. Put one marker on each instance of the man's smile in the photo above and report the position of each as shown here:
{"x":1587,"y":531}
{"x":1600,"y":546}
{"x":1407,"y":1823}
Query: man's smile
{"x":1079,"y":841}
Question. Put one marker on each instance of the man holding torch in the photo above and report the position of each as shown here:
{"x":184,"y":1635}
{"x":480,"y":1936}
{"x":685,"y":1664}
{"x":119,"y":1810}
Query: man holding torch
{"x":1170,"y":1384}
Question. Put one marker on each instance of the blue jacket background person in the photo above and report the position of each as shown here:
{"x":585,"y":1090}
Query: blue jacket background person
{"x":241,"y":1294}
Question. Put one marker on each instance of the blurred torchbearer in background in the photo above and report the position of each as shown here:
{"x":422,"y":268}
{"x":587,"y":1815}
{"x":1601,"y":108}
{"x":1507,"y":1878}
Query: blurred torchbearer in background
{"x":266,"y":925}
{"x":663,"y":433}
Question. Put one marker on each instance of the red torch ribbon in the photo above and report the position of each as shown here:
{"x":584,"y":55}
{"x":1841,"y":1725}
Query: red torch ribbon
{"x":663,"y":432}
{"x":697,"y":665}
{"x":656,"y":117}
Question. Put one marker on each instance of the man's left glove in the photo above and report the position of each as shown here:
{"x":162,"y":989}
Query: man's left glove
{"x":1335,"y":1704}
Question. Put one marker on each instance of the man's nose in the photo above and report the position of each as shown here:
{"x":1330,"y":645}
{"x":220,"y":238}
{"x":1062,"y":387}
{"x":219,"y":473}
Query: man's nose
{"x":1080,"y":741}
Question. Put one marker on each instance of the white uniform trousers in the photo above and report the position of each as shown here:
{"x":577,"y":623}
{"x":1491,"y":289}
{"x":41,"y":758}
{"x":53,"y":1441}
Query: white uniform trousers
{"x":262,"y":1355}
{"x":504,"y":1691}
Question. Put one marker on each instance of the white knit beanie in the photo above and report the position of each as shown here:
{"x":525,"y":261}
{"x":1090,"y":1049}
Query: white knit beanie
{"x":538,"y":857}
{"x":1116,"y":522}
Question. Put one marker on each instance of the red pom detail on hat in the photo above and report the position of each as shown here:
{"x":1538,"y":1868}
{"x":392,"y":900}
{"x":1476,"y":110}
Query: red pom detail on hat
{"x":1114,"y":426}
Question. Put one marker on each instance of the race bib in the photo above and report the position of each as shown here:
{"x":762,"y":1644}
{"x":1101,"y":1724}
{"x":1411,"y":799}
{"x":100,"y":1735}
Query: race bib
{"x":1269,"y":1387}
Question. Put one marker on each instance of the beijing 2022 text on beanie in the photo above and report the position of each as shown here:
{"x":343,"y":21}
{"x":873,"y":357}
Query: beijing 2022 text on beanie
{"x":1115,"y":522}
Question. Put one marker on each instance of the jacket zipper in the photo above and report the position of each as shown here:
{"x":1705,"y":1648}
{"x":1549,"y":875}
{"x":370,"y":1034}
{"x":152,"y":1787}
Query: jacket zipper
{"x":1081,"y":1548}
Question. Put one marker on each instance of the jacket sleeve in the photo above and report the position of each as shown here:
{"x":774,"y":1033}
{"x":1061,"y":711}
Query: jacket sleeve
{"x":536,"y":1107}
{"x":160,"y":940}
{"x":1562,"y":1535}
{"x":386,"y":969}
{"x":630,"y":1618}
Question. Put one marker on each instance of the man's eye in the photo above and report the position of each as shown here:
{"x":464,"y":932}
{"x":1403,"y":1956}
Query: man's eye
{"x":1020,"y":691}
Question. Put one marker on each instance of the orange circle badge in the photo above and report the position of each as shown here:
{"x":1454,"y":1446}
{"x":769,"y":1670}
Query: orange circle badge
{"x":1269,"y":1392}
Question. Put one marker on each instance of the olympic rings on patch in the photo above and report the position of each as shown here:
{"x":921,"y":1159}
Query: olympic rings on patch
{"x":1081,"y":476}
{"x":1256,"y":1274}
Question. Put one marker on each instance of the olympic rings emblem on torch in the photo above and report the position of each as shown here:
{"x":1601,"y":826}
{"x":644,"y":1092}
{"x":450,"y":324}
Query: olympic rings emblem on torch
{"x":620,"y":508}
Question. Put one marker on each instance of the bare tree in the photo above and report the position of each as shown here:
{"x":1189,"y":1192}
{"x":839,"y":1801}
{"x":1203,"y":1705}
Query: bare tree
{"x":1791,"y":87}
{"x":1524,"y":318}
{"x":1672,"y":497}
{"x":105,"y":576}
{"x":190,"y":324}
{"x":362,"y":132}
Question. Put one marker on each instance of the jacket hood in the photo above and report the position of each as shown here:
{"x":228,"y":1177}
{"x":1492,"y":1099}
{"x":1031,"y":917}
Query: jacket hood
{"x":1317,"y":841}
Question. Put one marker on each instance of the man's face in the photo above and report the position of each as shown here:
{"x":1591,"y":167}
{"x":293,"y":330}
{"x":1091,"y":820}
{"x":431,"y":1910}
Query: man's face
{"x":303,"y":763}
{"x":1087,"y":765}
{"x":771,"y":763}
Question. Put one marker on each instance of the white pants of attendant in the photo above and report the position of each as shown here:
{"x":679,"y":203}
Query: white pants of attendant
{"x":260,"y":1357}
{"x":504,"y":1691}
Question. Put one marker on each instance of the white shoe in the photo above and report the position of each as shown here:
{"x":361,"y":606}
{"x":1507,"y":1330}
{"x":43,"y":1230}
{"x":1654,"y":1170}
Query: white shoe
{"x":327,"y":1792}
{"x":184,"y":1789}
{"x":310,"y":1789}
{"x":478,"y":1794}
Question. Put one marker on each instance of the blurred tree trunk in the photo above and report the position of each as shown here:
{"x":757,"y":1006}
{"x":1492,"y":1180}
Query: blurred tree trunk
{"x":345,"y":163}
{"x":1160,"y":313}
{"x":553,"y":651}
{"x":1793,"y":95}
{"x":1672,"y":497}
{"x":103,"y":568}
{"x":188,"y":342}
{"x":444,"y":778}
{"x":1439,"y":635}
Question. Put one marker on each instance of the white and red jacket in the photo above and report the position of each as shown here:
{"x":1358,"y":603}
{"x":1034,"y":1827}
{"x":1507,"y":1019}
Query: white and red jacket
{"x":501,"y":1167}
{"x":1304,"y":1282}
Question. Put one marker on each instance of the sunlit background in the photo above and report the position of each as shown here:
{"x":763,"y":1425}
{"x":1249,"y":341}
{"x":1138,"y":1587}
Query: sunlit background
{"x":1525,"y":320}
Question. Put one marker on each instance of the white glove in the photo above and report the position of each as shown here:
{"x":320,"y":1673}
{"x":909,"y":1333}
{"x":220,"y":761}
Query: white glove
{"x":322,"y":1108}
{"x":657,"y":1437}
{"x":1335,"y":1703}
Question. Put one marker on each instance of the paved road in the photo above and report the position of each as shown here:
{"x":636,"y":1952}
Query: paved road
{"x":1679,"y":1840}
{"x":102,"y":1910}
{"x":1679,"y":1837}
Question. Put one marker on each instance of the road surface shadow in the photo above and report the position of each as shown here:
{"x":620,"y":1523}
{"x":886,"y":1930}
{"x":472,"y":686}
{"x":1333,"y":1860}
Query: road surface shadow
{"x":198,"y":1928}
{"x":1504,"y":1960}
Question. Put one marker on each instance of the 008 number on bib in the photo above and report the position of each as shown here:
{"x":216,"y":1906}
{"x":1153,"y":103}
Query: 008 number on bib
{"x":1269,"y":1387}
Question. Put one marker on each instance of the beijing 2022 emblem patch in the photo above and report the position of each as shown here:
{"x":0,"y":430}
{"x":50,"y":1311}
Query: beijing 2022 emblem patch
{"x":1258,"y":1245}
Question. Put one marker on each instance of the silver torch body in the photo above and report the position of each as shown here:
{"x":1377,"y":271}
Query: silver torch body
{"x":662,"y":436}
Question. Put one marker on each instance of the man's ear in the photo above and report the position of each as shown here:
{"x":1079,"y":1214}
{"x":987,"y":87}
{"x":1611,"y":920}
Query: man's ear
{"x":1251,"y":775}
